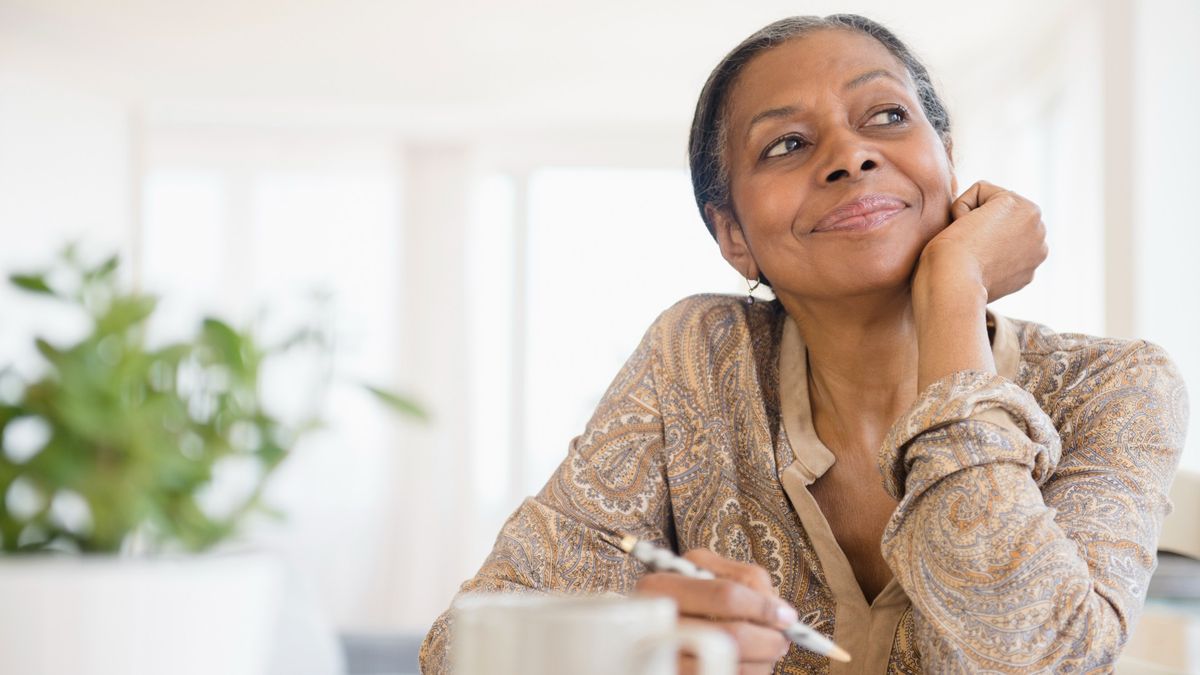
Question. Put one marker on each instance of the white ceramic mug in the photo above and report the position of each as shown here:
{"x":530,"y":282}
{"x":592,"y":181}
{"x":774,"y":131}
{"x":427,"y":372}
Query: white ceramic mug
{"x":524,"y":634}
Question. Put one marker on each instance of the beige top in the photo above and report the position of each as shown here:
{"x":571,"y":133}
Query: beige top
{"x":864,"y":630}
{"x":1029,"y":499}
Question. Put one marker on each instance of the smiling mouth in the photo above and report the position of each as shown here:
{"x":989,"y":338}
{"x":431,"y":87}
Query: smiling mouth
{"x":860,"y":215}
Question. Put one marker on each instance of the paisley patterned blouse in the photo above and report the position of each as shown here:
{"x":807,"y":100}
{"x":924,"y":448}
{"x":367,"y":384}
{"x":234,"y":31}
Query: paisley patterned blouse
{"x":1030,"y":500}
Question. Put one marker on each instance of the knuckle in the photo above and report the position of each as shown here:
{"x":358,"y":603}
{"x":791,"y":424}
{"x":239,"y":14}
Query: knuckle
{"x":760,"y":576}
{"x":726,"y":594}
{"x":738,"y":576}
{"x":751,"y":575}
{"x":740,"y":632}
{"x":767,"y":612}
{"x":652,"y":584}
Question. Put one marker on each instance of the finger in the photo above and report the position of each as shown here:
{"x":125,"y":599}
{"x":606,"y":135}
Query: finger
{"x":755,"y":643}
{"x":968,"y":200}
{"x":959,"y":209}
{"x":719,"y":599}
{"x":746,"y":574}
{"x":974,"y":197}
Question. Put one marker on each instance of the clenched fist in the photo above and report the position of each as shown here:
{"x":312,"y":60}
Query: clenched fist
{"x":996,"y":239}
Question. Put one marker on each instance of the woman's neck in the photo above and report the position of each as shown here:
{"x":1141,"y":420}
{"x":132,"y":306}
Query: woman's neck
{"x":862,"y":365}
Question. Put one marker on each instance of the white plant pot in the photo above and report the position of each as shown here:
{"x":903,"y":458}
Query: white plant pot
{"x":202,"y":615}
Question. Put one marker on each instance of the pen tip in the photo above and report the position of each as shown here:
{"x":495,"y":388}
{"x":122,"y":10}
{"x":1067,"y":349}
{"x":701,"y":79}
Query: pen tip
{"x":628,"y":542}
{"x":839,"y":654}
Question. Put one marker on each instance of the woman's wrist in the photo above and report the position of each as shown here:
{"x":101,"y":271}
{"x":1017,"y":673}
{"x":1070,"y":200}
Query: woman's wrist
{"x":950,"y":308}
{"x":946,"y":275}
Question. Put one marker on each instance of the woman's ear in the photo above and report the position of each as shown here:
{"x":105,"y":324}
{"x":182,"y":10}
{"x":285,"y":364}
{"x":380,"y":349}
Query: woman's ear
{"x":732,"y":240}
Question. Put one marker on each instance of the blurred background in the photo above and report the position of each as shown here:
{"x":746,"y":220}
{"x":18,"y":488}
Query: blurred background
{"x":495,"y":197}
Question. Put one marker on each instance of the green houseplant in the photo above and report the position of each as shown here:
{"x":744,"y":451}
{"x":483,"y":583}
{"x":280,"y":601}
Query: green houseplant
{"x":129,"y":434}
{"x":109,"y":451}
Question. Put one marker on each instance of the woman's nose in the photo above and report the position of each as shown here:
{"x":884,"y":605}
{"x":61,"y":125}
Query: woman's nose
{"x":839,"y":174}
{"x":849,"y":159}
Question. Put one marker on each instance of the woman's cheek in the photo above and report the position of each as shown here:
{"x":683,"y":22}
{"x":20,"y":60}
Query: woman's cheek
{"x":939,"y":195}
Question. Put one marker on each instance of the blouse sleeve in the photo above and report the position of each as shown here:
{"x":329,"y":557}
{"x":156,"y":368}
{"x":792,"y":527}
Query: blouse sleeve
{"x":1019,"y":556}
{"x":612,"y":480}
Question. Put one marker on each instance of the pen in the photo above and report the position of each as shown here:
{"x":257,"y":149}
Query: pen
{"x":662,"y":560}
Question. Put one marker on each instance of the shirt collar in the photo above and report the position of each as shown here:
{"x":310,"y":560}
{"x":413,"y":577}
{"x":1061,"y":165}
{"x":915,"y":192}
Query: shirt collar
{"x":813,"y":459}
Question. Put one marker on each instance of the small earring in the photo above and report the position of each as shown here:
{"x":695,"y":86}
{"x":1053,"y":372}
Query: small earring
{"x":750,"y":290}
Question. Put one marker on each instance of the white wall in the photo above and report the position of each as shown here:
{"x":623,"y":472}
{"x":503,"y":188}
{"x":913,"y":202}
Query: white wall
{"x":64,"y":171}
{"x":1164,"y":173}
{"x":1028,"y":120}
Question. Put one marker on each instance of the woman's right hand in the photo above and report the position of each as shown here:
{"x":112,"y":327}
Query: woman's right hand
{"x":740,"y":601}
{"x":996,"y":238}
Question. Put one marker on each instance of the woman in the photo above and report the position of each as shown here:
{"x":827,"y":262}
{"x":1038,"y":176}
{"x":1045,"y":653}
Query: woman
{"x":1024,"y":472}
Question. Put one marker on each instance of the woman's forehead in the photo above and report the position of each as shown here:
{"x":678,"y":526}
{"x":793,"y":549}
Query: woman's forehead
{"x":826,"y":62}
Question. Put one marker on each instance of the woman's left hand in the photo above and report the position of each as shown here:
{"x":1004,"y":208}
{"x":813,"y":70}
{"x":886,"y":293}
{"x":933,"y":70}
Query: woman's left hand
{"x":996,"y":238}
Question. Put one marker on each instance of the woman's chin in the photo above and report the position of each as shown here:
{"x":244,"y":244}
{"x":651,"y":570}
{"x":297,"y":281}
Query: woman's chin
{"x":884,"y":285}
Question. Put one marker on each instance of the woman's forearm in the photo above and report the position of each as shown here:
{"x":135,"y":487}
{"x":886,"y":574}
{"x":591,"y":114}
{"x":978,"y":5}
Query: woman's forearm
{"x":949,"y":304}
{"x":997,"y":540}
{"x":998,"y":585}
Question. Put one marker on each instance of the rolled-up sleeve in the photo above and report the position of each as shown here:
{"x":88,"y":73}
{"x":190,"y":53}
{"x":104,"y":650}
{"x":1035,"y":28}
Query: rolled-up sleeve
{"x":1020,"y":549}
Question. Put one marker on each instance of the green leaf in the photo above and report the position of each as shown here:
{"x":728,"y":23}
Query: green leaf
{"x":126,"y":311}
{"x":34,"y":283}
{"x":226,"y":341}
{"x":52,"y":354}
{"x":271,"y":454}
{"x":304,"y":336}
{"x":70,"y":252}
{"x":398,"y":403}
{"x":8,"y":413}
{"x":105,"y":269}
{"x":103,"y":272}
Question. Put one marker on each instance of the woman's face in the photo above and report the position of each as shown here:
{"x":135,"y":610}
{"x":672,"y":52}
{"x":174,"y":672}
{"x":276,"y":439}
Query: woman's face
{"x":837,"y":178}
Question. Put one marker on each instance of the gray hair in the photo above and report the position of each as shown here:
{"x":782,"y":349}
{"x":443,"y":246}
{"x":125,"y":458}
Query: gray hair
{"x":706,"y":143}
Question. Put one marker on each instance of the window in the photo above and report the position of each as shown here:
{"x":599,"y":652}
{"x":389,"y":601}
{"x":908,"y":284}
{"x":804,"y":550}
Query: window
{"x":251,"y":230}
{"x":604,"y":251}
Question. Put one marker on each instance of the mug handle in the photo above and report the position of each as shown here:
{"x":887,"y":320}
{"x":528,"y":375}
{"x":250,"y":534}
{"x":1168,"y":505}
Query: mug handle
{"x":715,"y":651}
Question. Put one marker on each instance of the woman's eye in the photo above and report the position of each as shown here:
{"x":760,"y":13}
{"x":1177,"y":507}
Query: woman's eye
{"x":785,"y":146}
{"x":888,"y":117}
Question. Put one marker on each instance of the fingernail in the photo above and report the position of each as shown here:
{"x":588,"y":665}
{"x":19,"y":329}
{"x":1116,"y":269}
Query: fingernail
{"x":786,"y":615}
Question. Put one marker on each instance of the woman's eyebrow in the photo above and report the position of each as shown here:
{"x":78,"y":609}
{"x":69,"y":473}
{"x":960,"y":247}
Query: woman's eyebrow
{"x":773,"y":113}
{"x":789,"y":110}
{"x":868,"y":76}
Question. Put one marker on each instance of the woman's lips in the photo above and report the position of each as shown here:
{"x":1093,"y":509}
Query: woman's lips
{"x":863,"y":213}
